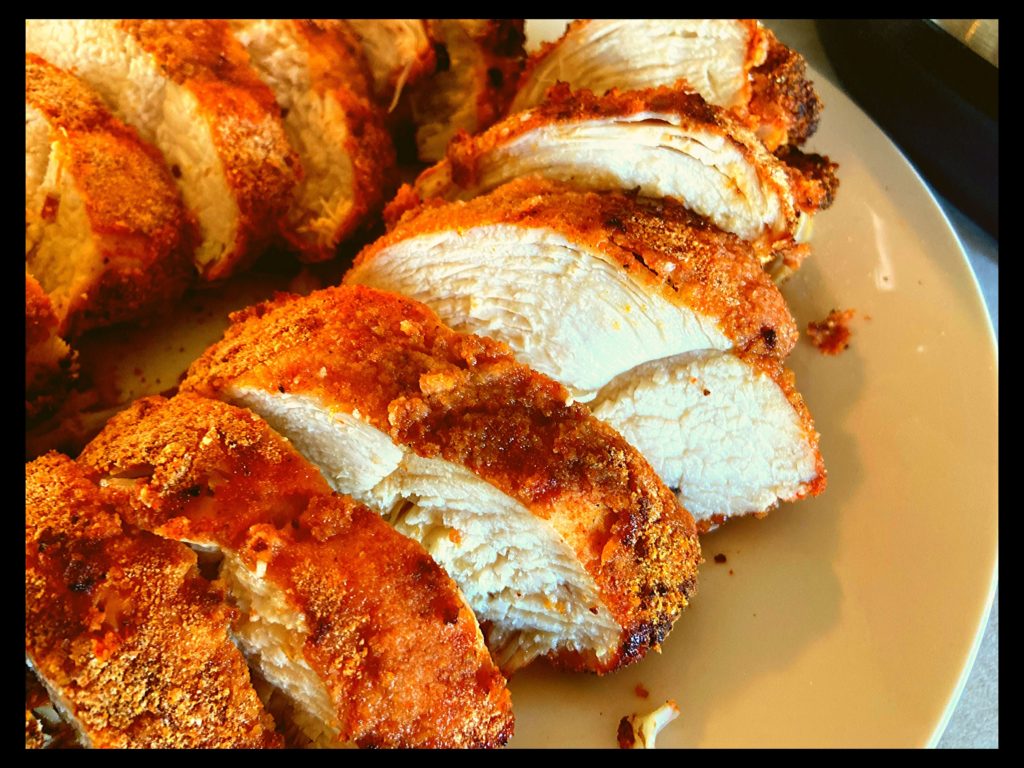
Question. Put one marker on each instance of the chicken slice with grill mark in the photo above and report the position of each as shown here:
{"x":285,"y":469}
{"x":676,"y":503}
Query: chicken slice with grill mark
{"x":316,"y":69}
{"x":187,"y":86}
{"x":479,"y":63}
{"x":111,"y":240}
{"x":728,"y":430}
{"x":736,"y":64}
{"x":658,"y":143}
{"x":399,"y":52}
{"x":583,"y":286}
{"x":366,"y":637}
{"x":560,"y":536}
{"x":130,"y":642}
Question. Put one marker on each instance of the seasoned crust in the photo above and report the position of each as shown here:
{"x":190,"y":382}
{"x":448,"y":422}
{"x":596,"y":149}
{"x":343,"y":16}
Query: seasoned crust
{"x":260,"y":166}
{"x":119,"y":622}
{"x":661,"y":245}
{"x":200,"y":470}
{"x":784,"y":105}
{"x":144,"y":237}
{"x":815,"y":180}
{"x":464,"y":399}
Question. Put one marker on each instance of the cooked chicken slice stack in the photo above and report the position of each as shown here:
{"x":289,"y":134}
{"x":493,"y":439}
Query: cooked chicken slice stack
{"x":732,"y":63}
{"x":187,"y":86}
{"x":49,"y":361}
{"x":131,"y":643}
{"x":399,"y":51}
{"x":479,"y":61}
{"x":559,"y":534}
{"x":316,"y":69}
{"x":661,"y":143}
{"x":365,"y":636}
{"x":670,"y":323}
{"x":108,"y":238}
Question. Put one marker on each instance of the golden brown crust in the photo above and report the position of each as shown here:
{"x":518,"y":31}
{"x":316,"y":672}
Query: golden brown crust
{"x":259,"y":164}
{"x":119,"y":622}
{"x":662,"y":247}
{"x":463,"y":398}
{"x":784,"y":106}
{"x":815,"y":181}
{"x":143,"y":234}
{"x":201,"y":470}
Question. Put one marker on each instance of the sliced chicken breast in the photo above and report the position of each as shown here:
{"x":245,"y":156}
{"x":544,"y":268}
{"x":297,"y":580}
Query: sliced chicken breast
{"x":479,"y":61}
{"x":583,"y":286}
{"x":187,"y":86}
{"x":316,"y":69}
{"x":661,"y":143}
{"x":736,"y":64}
{"x":400,"y":53}
{"x":111,"y":239}
{"x":130,"y":642}
{"x":366,"y":638}
{"x":558,"y":533}
{"x":730,"y":431}
{"x":49,"y":361}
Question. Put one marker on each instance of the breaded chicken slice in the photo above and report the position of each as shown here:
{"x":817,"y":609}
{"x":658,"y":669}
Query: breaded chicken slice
{"x":736,"y":64}
{"x":656,"y":143}
{"x":317,"y":71}
{"x":49,"y":362}
{"x":479,"y":61}
{"x":559,"y":534}
{"x":131,"y":643}
{"x":582,"y":285}
{"x":637,"y":303}
{"x":112,"y":240}
{"x":187,"y":86}
{"x":366,"y":637}
{"x":399,"y":51}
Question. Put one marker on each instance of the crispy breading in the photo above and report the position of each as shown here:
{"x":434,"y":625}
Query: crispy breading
{"x":784,"y":107}
{"x":123,"y":629}
{"x":466,"y":400}
{"x":389,"y":637}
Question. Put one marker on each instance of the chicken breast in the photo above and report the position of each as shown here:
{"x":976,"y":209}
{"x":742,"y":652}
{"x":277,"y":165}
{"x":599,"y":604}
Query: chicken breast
{"x":728,"y":430}
{"x":49,"y":362}
{"x":399,"y":51}
{"x":661,"y":143}
{"x":736,"y":64}
{"x":111,"y":239}
{"x":317,"y":71}
{"x":583,"y":286}
{"x":130,"y":642}
{"x":479,"y":61}
{"x":187,"y":86}
{"x":558,"y":533}
{"x":366,"y":638}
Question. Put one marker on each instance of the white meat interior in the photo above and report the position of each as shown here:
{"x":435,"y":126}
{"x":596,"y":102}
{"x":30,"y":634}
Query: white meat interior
{"x":513,"y":569}
{"x":714,"y":427}
{"x":565,"y":311}
{"x":633,"y":54}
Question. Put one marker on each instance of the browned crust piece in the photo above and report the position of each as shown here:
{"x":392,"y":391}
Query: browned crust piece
{"x":784,"y":106}
{"x":338,"y":66}
{"x":395,"y":644}
{"x":119,"y":623}
{"x":50,"y":366}
{"x":815,"y":178}
{"x":143,"y":232}
{"x":259,"y":164}
{"x":659,"y":243}
{"x":465,"y":399}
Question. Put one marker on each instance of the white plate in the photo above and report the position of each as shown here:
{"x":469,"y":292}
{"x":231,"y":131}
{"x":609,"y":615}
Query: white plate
{"x":848,"y":619}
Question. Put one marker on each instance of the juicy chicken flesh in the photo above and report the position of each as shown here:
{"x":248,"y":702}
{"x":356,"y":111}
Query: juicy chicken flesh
{"x":315,"y":68}
{"x":631,"y":302}
{"x":736,"y":64}
{"x":130,"y":642}
{"x":49,"y":361}
{"x":482,"y":61}
{"x":364,"y":635}
{"x":109,"y":239}
{"x":660,"y":143}
{"x":187,"y":86}
{"x":399,"y":52}
{"x":560,"y":536}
